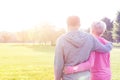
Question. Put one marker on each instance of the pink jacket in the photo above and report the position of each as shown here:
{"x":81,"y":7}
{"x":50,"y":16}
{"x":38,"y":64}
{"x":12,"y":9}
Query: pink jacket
{"x":98,"y":63}
{"x":101,"y":69}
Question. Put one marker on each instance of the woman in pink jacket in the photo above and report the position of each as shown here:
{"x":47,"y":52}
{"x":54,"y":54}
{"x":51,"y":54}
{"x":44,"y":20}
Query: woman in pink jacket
{"x":98,"y":63}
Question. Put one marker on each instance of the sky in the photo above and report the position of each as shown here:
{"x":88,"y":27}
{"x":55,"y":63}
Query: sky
{"x":16,"y":15}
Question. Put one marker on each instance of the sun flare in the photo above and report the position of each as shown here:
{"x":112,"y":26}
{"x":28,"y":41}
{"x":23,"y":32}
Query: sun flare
{"x":24,"y":14}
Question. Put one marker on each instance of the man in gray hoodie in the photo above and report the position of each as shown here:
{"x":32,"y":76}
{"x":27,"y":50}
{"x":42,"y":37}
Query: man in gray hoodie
{"x":73,"y":48}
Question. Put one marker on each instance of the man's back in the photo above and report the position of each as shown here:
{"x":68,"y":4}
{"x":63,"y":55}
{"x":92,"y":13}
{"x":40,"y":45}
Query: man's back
{"x":76,"y":49}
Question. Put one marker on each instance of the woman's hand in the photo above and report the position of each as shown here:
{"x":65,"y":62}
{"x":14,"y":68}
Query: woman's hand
{"x":68,"y":70}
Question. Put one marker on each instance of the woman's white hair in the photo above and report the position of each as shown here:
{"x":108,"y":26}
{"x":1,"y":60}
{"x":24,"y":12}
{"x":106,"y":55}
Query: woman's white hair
{"x":98,"y":26}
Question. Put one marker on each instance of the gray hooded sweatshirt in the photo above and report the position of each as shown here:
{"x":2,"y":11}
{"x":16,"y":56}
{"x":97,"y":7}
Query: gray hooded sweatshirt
{"x":74,"y":48}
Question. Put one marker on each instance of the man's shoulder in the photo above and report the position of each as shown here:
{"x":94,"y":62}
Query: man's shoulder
{"x":85,"y":33}
{"x":103,"y":40}
{"x":60,"y":38}
{"x":88,"y":35}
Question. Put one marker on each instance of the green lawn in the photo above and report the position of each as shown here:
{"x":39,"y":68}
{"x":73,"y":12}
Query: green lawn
{"x":27,"y":62}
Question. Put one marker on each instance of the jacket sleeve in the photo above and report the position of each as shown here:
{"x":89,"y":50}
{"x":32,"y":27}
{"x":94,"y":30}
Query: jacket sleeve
{"x":99,"y":47}
{"x":58,"y":60}
{"x":82,"y":66}
{"x":86,"y":65}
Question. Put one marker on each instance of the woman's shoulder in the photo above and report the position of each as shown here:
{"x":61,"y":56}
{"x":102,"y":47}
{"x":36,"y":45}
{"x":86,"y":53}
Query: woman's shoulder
{"x":103,"y":40}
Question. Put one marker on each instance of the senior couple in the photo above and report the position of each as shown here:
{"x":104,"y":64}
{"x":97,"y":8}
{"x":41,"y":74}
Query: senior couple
{"x":82,"y":56}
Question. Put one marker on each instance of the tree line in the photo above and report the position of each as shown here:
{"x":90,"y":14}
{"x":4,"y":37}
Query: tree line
{"x":47,"y":34}
{"x":113,"y":29}
{"x":43,"y":34}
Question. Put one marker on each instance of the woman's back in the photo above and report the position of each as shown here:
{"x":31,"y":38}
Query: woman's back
{"x":101,"y":69}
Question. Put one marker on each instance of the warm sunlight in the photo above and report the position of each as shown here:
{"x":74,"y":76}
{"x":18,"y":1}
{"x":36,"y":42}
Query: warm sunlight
{"x":36,"y":44}
{"x":19,"y":15}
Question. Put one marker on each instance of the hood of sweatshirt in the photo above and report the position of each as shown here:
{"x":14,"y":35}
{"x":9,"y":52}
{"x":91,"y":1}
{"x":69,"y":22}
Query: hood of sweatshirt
{"x":76,"y":38}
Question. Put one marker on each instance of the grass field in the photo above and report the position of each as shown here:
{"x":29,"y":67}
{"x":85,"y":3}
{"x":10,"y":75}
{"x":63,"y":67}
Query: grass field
{"x":28,"y":62}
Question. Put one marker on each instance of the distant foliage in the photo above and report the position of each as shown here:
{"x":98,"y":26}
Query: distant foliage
{"x":116,"y":28}
{"x":43,"y":34}
{"x":47,"y":34}
{"x":109,"y":25}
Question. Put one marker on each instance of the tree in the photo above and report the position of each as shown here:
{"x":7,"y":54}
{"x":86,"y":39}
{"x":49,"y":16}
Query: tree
{"x":5,"y":37}
{"x":22,"y":36}
{"x":116,"y":28}
{"x":50,"y":34}
{"x":109,"y":25}
{"x":47,"y":33}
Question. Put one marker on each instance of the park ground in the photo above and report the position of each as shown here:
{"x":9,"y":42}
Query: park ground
{"x":35,"y":62}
